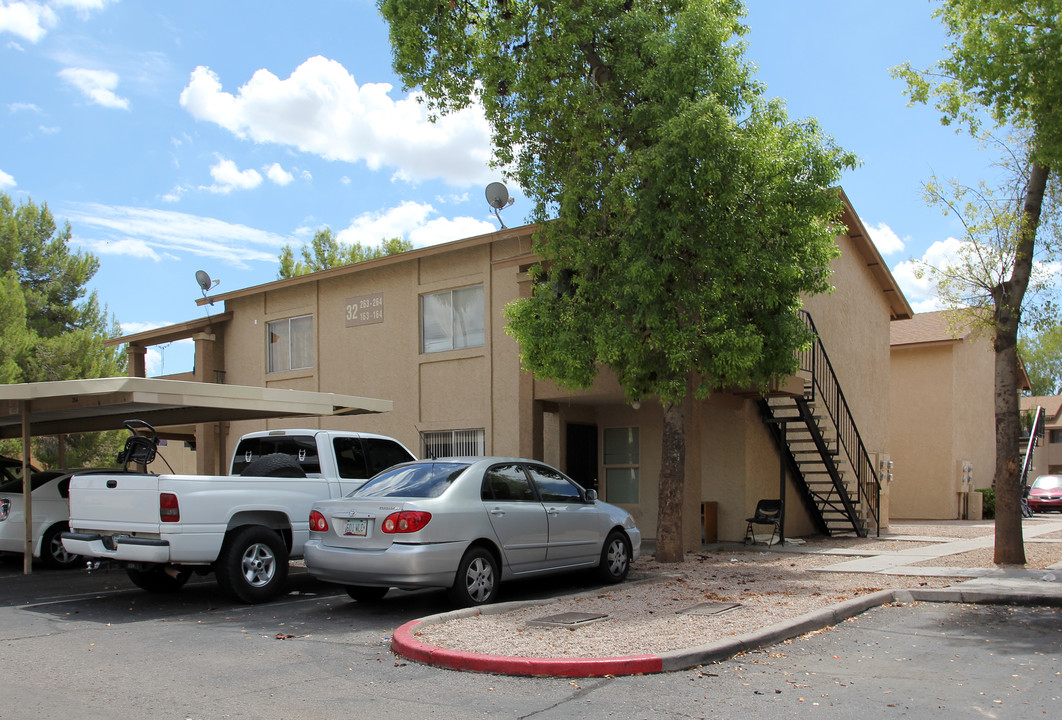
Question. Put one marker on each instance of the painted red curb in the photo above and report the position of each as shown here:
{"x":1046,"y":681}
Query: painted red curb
{"x":405,"y":643}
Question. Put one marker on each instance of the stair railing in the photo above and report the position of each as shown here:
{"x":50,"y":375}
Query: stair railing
{"x":825,"y":386}
{"x":1035,"y":434}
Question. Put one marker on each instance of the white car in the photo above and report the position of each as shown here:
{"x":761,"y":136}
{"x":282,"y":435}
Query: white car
{"x":51,"y":512}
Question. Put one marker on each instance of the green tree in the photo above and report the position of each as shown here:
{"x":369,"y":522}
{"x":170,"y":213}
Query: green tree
{"x":54,"y":328}
{"x":1041,"y":353}
{"x":681,"y":213}
{"x":15,"y":339}
{"x":325,"y":251}
{"x":1004,"y":66}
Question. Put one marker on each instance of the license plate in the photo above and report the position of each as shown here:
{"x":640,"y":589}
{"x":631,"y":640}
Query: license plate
{"x":357,"y":527}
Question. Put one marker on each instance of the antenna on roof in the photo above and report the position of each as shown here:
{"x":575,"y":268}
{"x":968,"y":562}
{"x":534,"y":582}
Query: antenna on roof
{"x":498,"y":198}
{"x":205,"y":283}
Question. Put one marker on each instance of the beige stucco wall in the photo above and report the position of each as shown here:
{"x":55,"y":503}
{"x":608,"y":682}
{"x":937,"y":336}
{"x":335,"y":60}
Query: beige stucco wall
{"x":452,"y":390}
{"x":942,"y":414}
{"x":731,"y":459}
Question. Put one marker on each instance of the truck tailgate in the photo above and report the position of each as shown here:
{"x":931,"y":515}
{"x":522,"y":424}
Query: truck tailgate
{"x":120,"y":503}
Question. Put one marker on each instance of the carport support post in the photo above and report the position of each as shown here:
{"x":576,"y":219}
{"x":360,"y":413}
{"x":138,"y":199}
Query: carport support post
{"x":27,"y":490}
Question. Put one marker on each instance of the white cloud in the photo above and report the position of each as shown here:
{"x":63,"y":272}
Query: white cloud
{"x":131,"y":247}
{"x":22,"y":107}
{"x":452,"y":198}
{"x":279,"y":175}
{"x":96,"y":85}
{"x":884,"y":238}
{"x":175,"y":194}
{"x":414,"y":221}
{"x":442,"y":230}
{"x":136,"y":231}
{"x":29,"y":20}
{"x":32,"y":20}
{"x":320,"y":109}
{"x":82,"y":6}
{"x":6,"y":181}
{"x":228,"y":177}
{"x":921,"y":291}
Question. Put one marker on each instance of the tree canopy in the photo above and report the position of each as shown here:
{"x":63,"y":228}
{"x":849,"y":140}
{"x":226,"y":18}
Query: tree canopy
{"x":1041,"y":353}
{"x":1004,"y":66}
{"x":681,"y":212}
{"x":325,"y":251}
{"x":52,"y":326}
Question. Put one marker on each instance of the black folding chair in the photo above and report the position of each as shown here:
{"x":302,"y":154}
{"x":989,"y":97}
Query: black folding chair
{"x":768,"y":512}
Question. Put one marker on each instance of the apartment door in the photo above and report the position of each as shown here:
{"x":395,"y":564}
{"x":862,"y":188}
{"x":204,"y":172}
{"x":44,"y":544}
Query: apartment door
{"x":580,"y":461}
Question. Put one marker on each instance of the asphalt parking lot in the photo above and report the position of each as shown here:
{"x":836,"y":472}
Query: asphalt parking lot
{"x":93,"y":646}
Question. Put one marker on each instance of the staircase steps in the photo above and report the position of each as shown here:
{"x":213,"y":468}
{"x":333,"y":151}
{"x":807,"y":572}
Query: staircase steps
{"x":823,"y":449}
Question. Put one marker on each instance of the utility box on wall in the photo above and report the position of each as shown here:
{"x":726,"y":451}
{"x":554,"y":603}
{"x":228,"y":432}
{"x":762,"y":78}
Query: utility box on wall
{"x":965,"y":489}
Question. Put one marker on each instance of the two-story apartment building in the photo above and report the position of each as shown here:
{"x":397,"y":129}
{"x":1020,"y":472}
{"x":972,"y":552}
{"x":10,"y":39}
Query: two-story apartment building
{"x":426,"y":330}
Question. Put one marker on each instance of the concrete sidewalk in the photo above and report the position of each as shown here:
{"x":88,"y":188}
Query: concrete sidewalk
{"x":985,"y":585}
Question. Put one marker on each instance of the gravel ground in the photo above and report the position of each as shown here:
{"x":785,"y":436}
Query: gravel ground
{"x":645,"y":614}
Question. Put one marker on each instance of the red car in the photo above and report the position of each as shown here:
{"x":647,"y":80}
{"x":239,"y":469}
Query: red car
{"x":1045,"y":493}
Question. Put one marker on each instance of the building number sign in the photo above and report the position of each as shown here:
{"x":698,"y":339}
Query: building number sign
{"x":365,"y":310}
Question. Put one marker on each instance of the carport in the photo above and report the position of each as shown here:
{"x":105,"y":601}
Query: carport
{"x":174,"y":407}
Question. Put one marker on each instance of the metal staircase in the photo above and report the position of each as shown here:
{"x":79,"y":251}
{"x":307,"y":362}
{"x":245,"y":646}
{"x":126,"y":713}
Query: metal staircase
{"x":821,"y":446}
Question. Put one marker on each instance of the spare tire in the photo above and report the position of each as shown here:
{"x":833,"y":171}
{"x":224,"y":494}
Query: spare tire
{"x":274,"y":465}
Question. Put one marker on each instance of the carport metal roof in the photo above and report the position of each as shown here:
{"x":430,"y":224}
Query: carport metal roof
{"x":73,"y":406}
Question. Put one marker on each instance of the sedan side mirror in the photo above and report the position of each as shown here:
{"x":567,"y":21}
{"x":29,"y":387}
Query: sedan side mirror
{"x":591,"y":495}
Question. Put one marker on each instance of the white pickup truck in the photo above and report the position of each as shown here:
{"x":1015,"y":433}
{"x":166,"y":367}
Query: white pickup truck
{"x":243,"y":526}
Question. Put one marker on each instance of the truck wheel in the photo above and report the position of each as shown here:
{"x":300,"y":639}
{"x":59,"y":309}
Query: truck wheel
{"x":157,"y":580}
{"x":274,"y":465}
{"x":53,"y":554}
{"x":253,"y":565}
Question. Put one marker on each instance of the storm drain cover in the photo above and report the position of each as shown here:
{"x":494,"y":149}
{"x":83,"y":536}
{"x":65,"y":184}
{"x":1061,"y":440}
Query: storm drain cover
{"x":568,"y":619}
{"x":709,"y":608}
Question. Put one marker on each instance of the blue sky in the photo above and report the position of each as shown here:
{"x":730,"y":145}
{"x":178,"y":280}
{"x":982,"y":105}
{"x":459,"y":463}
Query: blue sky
{"x":194,"y":135}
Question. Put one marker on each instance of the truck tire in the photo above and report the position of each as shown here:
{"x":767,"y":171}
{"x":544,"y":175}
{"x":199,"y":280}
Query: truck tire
{"x":157,"y":580}
{"x":274,"y":465}
{"x":53,"y":554}
{"x":253,"y":564}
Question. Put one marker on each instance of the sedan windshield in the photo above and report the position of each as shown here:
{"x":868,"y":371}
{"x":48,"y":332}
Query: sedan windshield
{"x":422,"y":480}
{"x":1048,"y":482}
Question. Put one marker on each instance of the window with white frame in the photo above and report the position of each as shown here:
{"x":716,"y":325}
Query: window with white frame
{"x":621,"y":461}
{"x":452,"y":443}
{"x":290,"y":343}
{"x":452,"y":319}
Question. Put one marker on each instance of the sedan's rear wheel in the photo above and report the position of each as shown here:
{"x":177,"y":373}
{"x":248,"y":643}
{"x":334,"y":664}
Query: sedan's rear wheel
{"x":53,"y":554}
{"x":366,"y":594}
{"x":477,"y":579}
{"x":615,"y":558}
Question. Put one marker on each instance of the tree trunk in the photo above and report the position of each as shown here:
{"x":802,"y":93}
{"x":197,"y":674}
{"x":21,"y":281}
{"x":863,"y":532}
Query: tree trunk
{"x":669,"y":542}
{"x":1008,"y":297}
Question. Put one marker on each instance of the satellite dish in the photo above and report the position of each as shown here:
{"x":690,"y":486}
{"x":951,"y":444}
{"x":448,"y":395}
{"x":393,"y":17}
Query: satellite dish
{"x":498,"y":198}
{"x":205,"y":283}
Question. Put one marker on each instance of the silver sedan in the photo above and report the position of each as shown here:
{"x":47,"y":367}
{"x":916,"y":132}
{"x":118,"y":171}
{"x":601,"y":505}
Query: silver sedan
{"x":466,"y":524}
